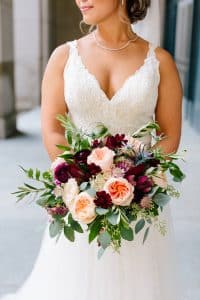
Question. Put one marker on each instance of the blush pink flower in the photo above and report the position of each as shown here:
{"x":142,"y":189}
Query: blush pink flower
{"x":102,"y":157}
{"x":146,"y":202}
{"x":160,"y":179}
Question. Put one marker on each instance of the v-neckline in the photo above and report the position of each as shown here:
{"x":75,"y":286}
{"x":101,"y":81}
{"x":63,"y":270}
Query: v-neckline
{"x":94,"y":78}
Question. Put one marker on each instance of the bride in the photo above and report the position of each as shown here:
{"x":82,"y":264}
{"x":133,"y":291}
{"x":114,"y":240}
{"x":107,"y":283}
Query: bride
{"x":114,"y":76}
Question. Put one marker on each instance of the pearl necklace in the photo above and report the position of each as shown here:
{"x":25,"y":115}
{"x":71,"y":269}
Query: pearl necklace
{"x":113,"y":49}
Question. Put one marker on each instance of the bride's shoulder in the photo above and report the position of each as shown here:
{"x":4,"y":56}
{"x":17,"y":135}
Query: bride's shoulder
{"x":165,"y":58}
{"x":59,"y":56}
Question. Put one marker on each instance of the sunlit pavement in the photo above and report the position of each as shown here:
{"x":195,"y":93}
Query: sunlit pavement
{"x":22,"y":225}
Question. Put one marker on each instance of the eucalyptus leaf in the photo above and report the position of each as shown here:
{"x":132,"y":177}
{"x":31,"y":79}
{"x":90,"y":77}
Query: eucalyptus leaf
{"x":84,"y":186}
{"x":101,"y":211}
{"x":55,"y":228}
{"x":161,"y":199}
{"x":104,"y":239}
{"x":114,"y":218}
{"x":91,"y":192}
{"x":146,"y":234}
{"x":100,"y":252}
{"x":139,"y":225}
{"x":127,"y":233}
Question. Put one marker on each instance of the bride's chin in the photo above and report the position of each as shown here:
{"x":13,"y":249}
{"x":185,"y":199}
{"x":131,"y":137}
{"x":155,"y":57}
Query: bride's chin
{"x":89,"y":22}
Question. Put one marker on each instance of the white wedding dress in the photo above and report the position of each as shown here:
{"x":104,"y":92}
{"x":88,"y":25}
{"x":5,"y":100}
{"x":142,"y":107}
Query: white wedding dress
{"x":71,"y":271}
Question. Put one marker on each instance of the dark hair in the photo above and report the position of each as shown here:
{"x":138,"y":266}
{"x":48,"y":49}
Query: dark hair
{"x":137,"y":9}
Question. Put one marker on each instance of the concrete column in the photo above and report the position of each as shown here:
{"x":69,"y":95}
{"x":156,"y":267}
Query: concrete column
{"x":26,"y":14}
{"x":7,"y":99}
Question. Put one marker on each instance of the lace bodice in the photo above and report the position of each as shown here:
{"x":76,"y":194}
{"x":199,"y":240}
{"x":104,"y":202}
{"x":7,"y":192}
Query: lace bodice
{"x":132,"y":106}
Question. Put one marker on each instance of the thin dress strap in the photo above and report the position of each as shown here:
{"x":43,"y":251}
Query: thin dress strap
{"x":72,"y":51}
{"x":151,"y":52}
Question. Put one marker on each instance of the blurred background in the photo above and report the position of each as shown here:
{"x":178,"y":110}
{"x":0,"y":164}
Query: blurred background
{"x":29,"y":31}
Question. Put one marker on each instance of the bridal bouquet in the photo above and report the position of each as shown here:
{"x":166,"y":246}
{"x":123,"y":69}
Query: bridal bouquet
{"x":110,"y":186}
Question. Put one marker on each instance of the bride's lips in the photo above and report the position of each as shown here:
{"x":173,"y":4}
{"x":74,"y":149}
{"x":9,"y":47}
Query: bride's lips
{"x":85,"y":8}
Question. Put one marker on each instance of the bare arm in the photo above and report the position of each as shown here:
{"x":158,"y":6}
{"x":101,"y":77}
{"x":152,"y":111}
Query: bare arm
{"x":169,"y":106}
{"x":53,"y":101}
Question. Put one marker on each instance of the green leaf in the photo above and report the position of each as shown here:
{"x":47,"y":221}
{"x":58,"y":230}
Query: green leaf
{"x":84,"y":144}
{"x":100,"y":252}
{"x":42,"y":201}
{"x":55,"y":228}
{"x":69,"y":233}
{"x":37,"y":175}
{"x":101,"y":211}
{"x":64,"y":148}
{"x":77,"y":227}
{"x":30,"y":173}
{"x":104,"y":239}
{"x":144,"y":130}
{"x":176,"y":172}
{"x":46,"y":175}
{"x":74,"y":224}
{"x":127,"y":233}
{"x":94,"y":230}
{"x":114,"y":218}
{"x":124,"y":220}
{"x":69,"y":137}
{"x":146,"y":234}
{"x":30,"y":187}
{"x":139,"y":225}
{"x":161,"y":199}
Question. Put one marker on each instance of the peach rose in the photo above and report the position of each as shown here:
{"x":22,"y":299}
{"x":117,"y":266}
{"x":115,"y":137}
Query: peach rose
{"x":83,"y":209}
{"x":120,"y":190}
{"x":70,"y":191}
{"x":102,"y":157}
{"x":160,"y":179}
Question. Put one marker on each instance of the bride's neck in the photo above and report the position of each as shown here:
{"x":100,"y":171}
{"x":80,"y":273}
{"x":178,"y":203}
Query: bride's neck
{"x":115,"y":33}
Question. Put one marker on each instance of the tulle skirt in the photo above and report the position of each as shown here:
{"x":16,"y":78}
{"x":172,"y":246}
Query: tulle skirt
{"x":71,"y":271}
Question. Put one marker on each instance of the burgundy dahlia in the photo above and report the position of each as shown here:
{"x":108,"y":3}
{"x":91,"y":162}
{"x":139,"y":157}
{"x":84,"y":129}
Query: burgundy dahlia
{"x":94,"y":169}
{"x":61,"y":174}
{"x":144,"y":184}
{"x":136,"y":170}
{"x":103,"y":200}
{"x":115,"y":141}
{"x":75,"y":171}
{"x":81,"y":156}
{"x":131,"y":179}
{"x":97,"y":143}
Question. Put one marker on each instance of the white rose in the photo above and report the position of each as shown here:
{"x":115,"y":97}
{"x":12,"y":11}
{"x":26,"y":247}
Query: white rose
{"x":70,"y":191}
{"x":83,"y":209}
